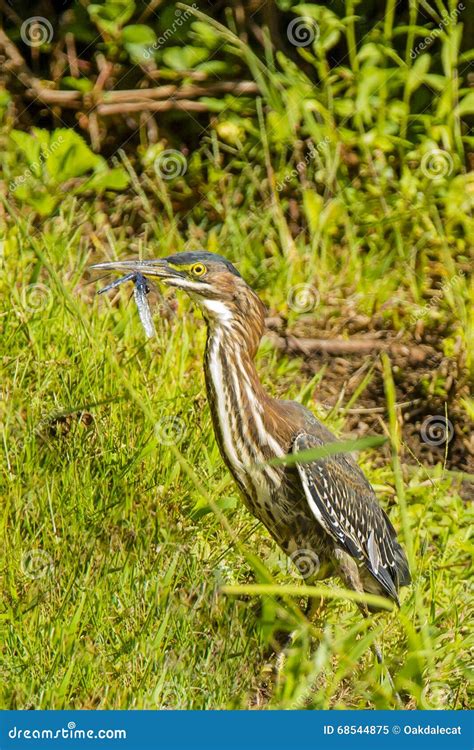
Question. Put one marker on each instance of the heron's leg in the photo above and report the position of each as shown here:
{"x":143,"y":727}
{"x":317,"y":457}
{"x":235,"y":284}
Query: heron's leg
{"x":380,"y":660}
{"x":271,"y":674}
{"x":274,"y":668}
{"x":349,"y":572}
{"x":313,"y":608}
{"x":282,"y":656}
{"x":312,"y":612}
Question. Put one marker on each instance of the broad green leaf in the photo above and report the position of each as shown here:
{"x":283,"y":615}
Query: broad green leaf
{"x":138,"y":40}
{"x":36,"y":196}
{"x":370,"y":53}
{"x":326,"y":29}
{"x":214,"y":104}
{"x":279,"y":128}
{"x":206,"y":34}
{"x":107,"y":179}
{"x":111,"y":15}
{"x":184,"y":58}
{"x":202,"y":507}
{"x":344,"y":107}
{"x":69,"y":156}
{"x":320,"y":13}
{"x":29,"y":147}
{"x":216,"y":67}
{"x":333,"y":592}
{"x":329,"y":40}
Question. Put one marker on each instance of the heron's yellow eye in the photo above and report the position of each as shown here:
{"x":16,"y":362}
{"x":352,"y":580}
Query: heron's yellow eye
{"x":199,"y":269}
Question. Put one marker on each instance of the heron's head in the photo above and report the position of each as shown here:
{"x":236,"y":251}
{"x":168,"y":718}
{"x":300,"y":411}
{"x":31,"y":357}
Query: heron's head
{"x":211,"y":280}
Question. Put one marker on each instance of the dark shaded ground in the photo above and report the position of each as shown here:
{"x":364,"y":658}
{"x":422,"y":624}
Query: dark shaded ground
{"x":429,"y":386}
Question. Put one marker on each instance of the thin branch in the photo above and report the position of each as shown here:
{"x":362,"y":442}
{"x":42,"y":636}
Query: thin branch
{"x":184,"y":105}
{"x":310,"y":347}
{"x":159,"y":99}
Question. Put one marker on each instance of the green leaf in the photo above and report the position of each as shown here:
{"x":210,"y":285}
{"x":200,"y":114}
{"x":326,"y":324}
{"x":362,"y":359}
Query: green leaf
{"x":214,"y":104}
{"x":139,"y":41}
{"x":184,"y":58}
{"x":466,"y":105}
{"x":206,"y":34}
{"x":416,"y":74}
{"x":202,"y":507}
{"x":313,"y":204}
{"x":77,"y":84}
{"x":330,"y":449}
{"x":326,"y":30}
{"x":109,"y":179}
{"x":5,"y":98}
{"x":111,"y":16}
{"x":29,"y":147}
{"x":435,"y":81}
{"x":215,"y":67}
{"x":69,"y":156}
{"x":450,"y":49}
{"x":37,"y":196}
{"x":368,"y":91}
{"x":333,"y":592}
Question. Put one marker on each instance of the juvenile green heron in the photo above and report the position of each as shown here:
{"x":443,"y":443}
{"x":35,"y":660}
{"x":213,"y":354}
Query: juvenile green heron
{"x":325,"y":508}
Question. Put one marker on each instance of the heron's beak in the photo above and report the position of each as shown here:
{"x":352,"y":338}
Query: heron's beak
{"x":159,"y":268}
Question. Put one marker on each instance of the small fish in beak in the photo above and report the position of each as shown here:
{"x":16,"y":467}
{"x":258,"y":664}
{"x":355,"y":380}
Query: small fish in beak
{"x":140,"y":293}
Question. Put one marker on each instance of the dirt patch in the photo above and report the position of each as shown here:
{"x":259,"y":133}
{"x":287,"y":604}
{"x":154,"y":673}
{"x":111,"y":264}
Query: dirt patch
{"x":430,"y":387}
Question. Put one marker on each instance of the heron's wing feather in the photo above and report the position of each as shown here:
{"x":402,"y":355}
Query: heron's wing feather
{"x":345,"y":505}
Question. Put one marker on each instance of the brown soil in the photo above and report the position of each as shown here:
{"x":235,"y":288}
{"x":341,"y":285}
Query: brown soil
{"x":429,"y":386}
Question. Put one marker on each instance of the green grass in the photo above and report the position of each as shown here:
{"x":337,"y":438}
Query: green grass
{"x":122,"y":582}
{"x":131,"y":574}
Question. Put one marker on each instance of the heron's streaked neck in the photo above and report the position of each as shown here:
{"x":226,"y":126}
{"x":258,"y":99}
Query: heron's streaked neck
{"x":236,"y":338}
{"x":239,"y":404}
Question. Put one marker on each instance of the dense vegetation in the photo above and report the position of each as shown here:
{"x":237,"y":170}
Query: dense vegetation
{"x":326,"y":151}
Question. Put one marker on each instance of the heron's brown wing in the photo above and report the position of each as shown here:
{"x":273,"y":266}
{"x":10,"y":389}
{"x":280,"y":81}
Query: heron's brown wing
{"x":345,"y":505}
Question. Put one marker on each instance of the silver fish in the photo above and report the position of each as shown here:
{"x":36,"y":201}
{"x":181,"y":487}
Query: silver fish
{"x":140,"y":293}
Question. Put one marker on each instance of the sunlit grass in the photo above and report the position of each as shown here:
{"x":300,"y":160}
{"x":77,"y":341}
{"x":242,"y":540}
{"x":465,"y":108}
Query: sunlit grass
{"x":124,"y":535}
